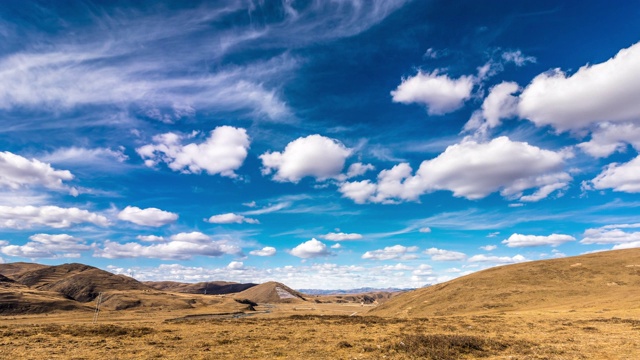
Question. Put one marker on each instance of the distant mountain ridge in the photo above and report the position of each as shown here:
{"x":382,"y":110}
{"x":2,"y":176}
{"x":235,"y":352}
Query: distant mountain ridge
{"x":362,"y":290}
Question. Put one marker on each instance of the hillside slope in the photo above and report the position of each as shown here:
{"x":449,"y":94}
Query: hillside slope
{"x":269,"y":293}
{"x":79,"y":282}
{"x":209,"y":288}
{"x":604,"y":280}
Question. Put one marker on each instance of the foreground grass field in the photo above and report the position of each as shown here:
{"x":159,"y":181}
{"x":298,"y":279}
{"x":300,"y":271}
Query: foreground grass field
{"x":289,"y":332}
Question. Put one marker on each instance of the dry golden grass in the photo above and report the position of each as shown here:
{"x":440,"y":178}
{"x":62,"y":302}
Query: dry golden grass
{"x":307,"y":335}
{"x":605,"y":280}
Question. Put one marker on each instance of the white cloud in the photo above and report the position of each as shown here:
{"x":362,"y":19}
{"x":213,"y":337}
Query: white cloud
{"x":629,"y":245}
{"x":499,"y":104}
{"x":231,"y":218}
{"x":601,"y":92}
{"x":182,"y":246}
{"x":223,"y":152}
{"x":341,"y":236}
{"x":425,"y":230}
{"x":608,"y":138}
{"x":609,"y":235}
{"x":24,"y":217}
{"x":423,"y":270}
{"x":17,"y":172}
{"x":519,"y":240}
{"x":150,"y":238}
{"x":472,"y":170}
{"x":47,"y":246}
{"x":619,"y":177}
{"x":315,"y":155}
{"x":236,"y":265}
{"x":147,"y":217}
{"x":97,"y":157}
{"x":357,"y":169}
{"x":517,"y":57}
{"x":358,"y":191}
{"x":310,"y":249}
{"x":445,"y":255}
{"x":497,"y":259}
{"x":488,"y":247}
{"x":336,"y":246}
{"x":440,"y":93}
{"x":396,"y":267}
{"x":265,"y":251}
{"x":392,"y":252}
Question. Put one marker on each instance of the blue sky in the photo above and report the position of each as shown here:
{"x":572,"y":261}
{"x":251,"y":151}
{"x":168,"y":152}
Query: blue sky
{"x":324,"y":144}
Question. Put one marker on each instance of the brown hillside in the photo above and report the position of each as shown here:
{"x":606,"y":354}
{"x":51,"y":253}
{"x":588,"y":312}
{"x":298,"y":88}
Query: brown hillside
{"x":12,"y":270}
{"x":77,"y":281}
{"x":269,"y":293}
{"x":210,"y":288}
{"x":605,"y":280}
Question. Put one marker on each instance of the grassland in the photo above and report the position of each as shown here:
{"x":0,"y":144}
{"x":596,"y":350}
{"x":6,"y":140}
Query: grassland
{"x":326,"y":331}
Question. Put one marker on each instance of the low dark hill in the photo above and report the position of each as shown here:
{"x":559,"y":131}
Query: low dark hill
{"x":594,"y":282}
{"x":270,"y":293}
{"x":79,"y":282}
{"x":209,"y":288}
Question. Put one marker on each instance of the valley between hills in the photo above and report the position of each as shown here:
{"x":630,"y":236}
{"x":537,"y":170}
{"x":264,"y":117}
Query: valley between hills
{"x":584,"y":307}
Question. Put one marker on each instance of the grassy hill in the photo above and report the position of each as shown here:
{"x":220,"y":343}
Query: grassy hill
{"x":269,"y":293}
{"x":209,"y":288}
{"x":600,"y":281}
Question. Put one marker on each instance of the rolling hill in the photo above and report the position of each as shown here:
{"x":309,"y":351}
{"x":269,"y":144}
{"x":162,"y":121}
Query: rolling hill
{"x":209,"y":288}
{"x":605,"y":280}
{"x":269,"y":293}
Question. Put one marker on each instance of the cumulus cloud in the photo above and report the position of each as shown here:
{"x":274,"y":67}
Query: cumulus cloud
{"x":519,"y":240}
{"x":24,"y":217}
{"x":150,"y":238}
{"x":341,"y":236}
{"x":392,"y":252}
{"x":440,"y":93}
{"x":17,"y":172}
{"x":315,"y":155}
{"x":236,"y":265}
{"x":182,"y":246}
{"x":499,"y":104}
{"x":357,"y":169}
{"x":488,"y":247}
{"x":223,"y":152}
{"x":601,"y":92}
{"x":48,"y":246}
{"x":608,"y":138}
{"x":610,"y":235}
{"x":445,"y":255}
{"x":472,"y":170}
{"x":618,"y":177}
{"x":231,"y":218}
{"x":147,"y":217}
{"x":265,"y":251}
{"x":497,"y":259}
{"x":336,"y":246}
{"x":425,"y":230}
{"x":310,"y":249}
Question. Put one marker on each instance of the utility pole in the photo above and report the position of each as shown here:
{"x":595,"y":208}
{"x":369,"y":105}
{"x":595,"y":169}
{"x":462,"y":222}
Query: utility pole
{"x":97,"y":312}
